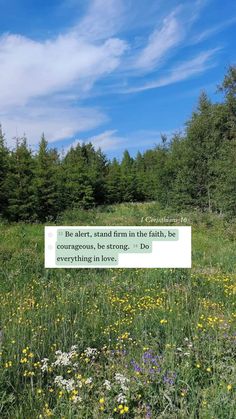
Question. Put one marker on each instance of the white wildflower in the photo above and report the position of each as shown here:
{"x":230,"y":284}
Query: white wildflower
{"x":91,"y":353}
{"x":77,"y":399}
{"x":107,"y":385}
{"x":79,"y":384}
{"x":65,"y":358}
{"x":67,"y":385}
{"x":58,"y":379}
{"x":122,"y":380}
{"x":88,"y":380}
{"x":44,"y":366}
{"x":121,"y":398}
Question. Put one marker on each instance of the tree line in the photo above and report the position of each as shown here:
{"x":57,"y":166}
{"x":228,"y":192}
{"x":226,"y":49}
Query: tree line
{"x":195,"y":169}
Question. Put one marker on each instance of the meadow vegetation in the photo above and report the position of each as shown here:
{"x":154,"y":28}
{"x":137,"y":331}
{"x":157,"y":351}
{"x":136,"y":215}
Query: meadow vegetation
{"x":109,"y":343}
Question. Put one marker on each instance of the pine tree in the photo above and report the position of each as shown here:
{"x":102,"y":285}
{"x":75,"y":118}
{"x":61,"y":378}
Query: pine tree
{"x":200,"y":153}
{"x":140,"y":176}
{"x":128,"y":181}
{"x":113,"y":183}
{"x":4,"y":167}
{"x":46,"y":190}
{"x":20,"y":183}
{"x":225,"y":192}
{"x":180,"y":188}
{"x":79,"y":190}
{"x":96,"y":167}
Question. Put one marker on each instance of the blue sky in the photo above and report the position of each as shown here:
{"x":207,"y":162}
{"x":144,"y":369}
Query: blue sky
{"x":114,"y":72}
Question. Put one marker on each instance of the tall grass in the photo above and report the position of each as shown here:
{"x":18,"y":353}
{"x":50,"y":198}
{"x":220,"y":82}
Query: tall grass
{"x":108,"y":343}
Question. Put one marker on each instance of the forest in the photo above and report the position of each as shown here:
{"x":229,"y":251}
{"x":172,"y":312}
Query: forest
{"x":195,"y":169}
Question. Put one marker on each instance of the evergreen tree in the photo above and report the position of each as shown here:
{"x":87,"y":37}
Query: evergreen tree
{"x":46,"y":190}
{"x":200,"y":153}
{"x":20,"y":183}
{"x":4,"y":167}
{"x":140,"y":177}
{"x":180,"y":187}
{"x":128,"y":181}
{"x":226,"y":179}
{"x":113,"y":183}
{"x":228,"y":87}
{"x":78,"y":185}
{"x":96,"y":166}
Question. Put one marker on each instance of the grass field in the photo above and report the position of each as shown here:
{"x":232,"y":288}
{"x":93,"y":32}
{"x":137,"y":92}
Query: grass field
{"x":109,"y":343}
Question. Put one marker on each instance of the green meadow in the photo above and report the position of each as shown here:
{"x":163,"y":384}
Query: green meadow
{"x":119,"y":343}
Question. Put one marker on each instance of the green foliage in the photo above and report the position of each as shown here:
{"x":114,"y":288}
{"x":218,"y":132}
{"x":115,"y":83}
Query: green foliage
{"x":46,"y":192}
{"x":128,"y":180}
{"x":4,"y":168}
{"x":113,"y":183}
{"x":19,"y":182}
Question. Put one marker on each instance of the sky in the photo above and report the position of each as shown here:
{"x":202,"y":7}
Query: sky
{"x":118,"y":73}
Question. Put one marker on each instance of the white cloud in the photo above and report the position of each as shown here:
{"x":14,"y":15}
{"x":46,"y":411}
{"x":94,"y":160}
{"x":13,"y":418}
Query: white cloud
{"x":112,"y":140}
{"x":160,"y":42}
{"x":181,"y":72}
{"x":41,"y":82}
{"x":103,"y":19}
{"x":56,"y":121}
{"x":212,"y":31}
{"x":107,"y":140}
{"x":31,"y":69}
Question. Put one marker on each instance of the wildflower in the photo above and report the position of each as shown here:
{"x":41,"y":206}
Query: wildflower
{"x":163,"y":321}
{"x":63,"y":358}
{"x":121,"y":398}
{"x":102,"y":400}
{"x":88,"y":380}
{"x":91,"y":353}
{"x":60,"y":394}
{"x":121,"y":379}
{"x":229,"y":387}
{"x":47,"y":412}
{"x":44,"y":366}
{"x":8,"y":364}
{"x":67,"y":385}
{"x":107,"y":385}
